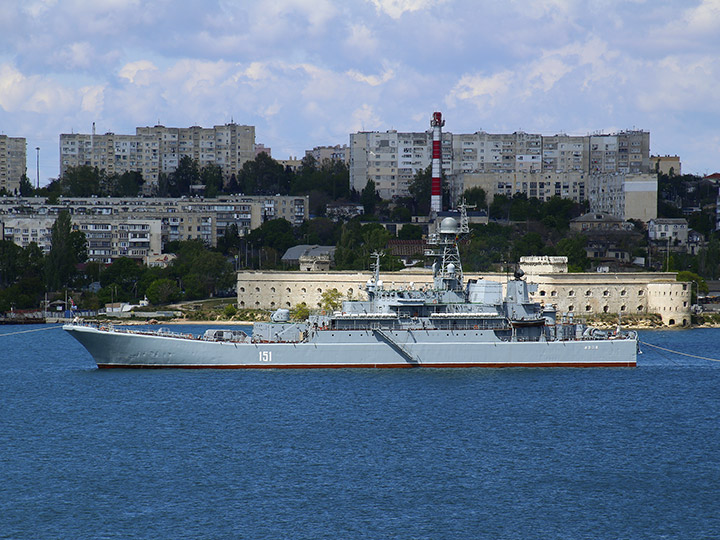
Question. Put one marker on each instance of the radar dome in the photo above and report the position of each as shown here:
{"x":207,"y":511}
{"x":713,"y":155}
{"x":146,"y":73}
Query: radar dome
{"x":449,"y":226}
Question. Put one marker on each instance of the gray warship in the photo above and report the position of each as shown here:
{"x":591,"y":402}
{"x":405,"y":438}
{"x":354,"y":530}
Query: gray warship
{"x":450,"y":324}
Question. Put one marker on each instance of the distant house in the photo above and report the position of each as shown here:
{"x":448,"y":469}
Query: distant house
{"x":597,"y":221}
{"x":310,"y":258}
{"x":673,"y":229}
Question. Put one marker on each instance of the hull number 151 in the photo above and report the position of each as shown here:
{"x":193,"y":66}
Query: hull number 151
{"x":266,"y":356}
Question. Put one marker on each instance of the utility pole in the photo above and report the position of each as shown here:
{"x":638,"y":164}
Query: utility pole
{"x":37,"y":167}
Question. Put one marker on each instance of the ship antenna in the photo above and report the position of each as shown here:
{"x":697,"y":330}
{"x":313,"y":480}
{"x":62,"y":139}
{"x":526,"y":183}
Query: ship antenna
{"x":376,"y":265}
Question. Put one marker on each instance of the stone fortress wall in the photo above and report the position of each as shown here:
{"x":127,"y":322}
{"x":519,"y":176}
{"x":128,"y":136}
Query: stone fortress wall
{"x":582,"y":294}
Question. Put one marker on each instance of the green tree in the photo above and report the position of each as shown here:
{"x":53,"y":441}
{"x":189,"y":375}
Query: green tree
{"x":9,"y":263}
{"x":212,"y":178}
{"x":573,"y":247}
{"x":331,"y":300}
{"x":410,"y":232}
{"x":276,"y":234}
{"x":82,"y":181}
{"x":264,"y":176}
{"x":299,"y":312}
{"x":185,"y":175}
{"x":61,"y":260}
{"x":163,"y":291}
{"x":368,"y":197}
{"x":475,"y":197}
{"x":127,"y":184}
{"x":26,"y":189}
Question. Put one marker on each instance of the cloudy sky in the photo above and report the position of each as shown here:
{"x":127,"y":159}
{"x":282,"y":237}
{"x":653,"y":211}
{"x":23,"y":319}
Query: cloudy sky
{"x":309,"y":72}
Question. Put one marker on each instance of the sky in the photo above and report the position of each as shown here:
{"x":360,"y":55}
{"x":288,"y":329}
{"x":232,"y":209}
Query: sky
{"x":310,"y":72}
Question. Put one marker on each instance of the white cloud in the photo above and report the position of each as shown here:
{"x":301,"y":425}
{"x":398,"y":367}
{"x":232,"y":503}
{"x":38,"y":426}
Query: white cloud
{"x":365,"y":118}
{"x":361,"y":41}
{"x":372,"y":80}
{"x":141,"y":72}
{"x":483,"y":91}
{"x":92,"y":100}
{"x":397,"y":8}
{"x":703,"y":19}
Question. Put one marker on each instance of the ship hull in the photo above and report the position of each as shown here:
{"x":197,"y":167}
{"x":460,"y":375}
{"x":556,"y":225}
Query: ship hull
{"x":351,"y":349}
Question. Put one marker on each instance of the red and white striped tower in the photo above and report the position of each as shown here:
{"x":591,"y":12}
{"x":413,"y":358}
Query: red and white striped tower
{"x":436,"y":190}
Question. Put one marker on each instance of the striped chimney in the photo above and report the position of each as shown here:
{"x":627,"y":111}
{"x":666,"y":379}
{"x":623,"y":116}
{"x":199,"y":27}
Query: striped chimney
{"x":436,"y":194}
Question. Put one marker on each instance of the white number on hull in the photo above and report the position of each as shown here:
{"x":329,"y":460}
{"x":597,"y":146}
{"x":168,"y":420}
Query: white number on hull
{"x":266,"y":356}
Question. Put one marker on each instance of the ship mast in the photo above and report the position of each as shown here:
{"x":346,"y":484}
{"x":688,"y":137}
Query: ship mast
{"x":448,"y":274}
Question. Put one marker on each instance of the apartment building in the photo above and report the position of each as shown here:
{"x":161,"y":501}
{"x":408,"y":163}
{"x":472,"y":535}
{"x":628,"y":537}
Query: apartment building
{"x":140,"y":227}
{"x":13,"y":155}
{"x":539,"y":166}
{"x":159,"y":149}
{"x":333,"y":153}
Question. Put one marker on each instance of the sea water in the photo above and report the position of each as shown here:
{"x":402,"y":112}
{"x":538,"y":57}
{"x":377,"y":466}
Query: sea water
{"x":621,"y":453}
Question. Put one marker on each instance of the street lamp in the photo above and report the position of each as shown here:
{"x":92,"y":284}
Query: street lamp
{"x":37,"y":167}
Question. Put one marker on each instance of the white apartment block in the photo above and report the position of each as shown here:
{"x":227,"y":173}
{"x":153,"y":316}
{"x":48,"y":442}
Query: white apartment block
{"x":139,"y":227}
{"x":13,"y":155}
{"x":554,"y":165}
{"x":629,"y":196}
{"x":107,"y":237}
{"x":158,"y":149}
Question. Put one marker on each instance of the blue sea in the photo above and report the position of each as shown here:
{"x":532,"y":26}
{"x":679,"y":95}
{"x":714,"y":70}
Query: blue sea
{"x":622,"y":453}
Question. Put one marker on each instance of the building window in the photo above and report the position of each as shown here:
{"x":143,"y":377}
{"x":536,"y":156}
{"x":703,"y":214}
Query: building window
{"x":571,"y":293}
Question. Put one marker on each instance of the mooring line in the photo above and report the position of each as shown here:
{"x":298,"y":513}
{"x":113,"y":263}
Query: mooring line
{"x":28,"y":331}
{"x":680,"y":353}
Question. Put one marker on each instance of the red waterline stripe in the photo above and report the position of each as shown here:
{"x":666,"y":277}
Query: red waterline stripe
{"x":372,"y":366}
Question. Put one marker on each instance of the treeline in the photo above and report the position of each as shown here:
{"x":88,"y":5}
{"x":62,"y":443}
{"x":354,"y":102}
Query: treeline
{"x":324,"y":182}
